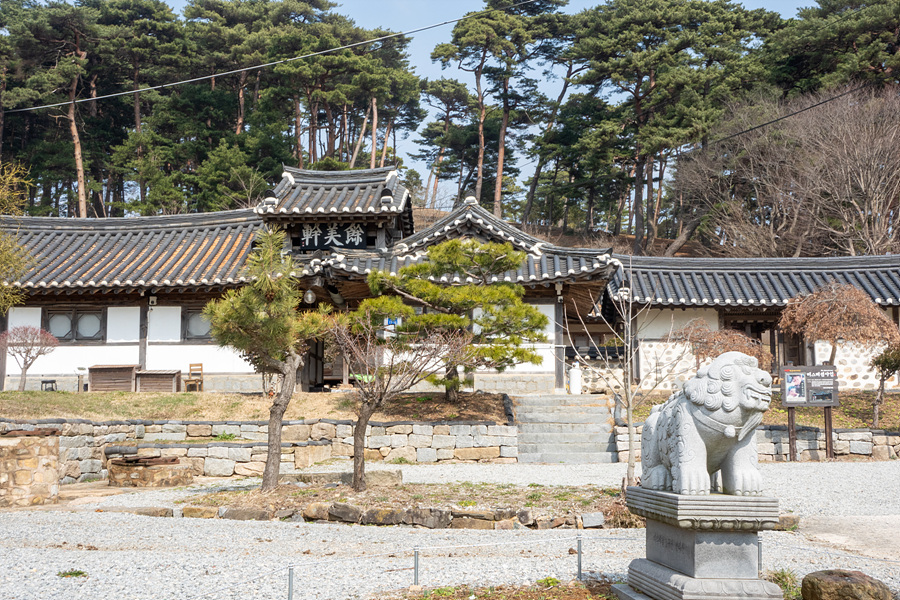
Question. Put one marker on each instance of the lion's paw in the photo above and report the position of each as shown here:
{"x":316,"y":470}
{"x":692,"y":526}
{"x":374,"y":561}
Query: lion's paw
{"x":656,"y":478}
{"x":745,"y":482}
{"x":693,"y":481}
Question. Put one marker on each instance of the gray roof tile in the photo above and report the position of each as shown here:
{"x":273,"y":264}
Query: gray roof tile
{"x":752,"y":282}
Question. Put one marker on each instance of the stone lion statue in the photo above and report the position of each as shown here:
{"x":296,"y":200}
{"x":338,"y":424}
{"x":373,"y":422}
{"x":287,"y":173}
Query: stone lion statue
{"x":708,"y":428}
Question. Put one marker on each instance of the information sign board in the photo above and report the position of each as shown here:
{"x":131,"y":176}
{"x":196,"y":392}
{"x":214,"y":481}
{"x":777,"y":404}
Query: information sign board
{"x":809,"y":386}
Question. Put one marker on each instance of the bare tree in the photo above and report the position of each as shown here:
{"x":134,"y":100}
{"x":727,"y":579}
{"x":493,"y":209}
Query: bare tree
{"x":837,"y":313}
{"x":824,"y":181}
{"x":627,"y":365}
{"x":388,"y":360}
{"x":26,"y":344}
{"x":707,"y":344}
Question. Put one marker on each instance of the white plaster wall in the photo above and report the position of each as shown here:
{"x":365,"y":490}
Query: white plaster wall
{"x":656,"y":324}
{"x":853,"y":365}
{"x":164,"y":324}
{"x":544,"y":350}
{"x":66,"y":359}
{"x":123,"y":324}
{"x":24,"y":316}
{"x":215,"y":359}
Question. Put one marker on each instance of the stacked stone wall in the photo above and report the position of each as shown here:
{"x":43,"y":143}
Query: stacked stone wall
{"x":28,"y":469}
{"x":85,"y":446}
{"x":773,"y":445}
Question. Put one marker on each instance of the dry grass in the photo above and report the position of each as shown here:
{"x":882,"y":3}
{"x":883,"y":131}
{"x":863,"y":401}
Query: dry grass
{"x":551,"y":501}
{"x":210,"y":406}
{"x":544,"y":589}
{"x":855,"y":412}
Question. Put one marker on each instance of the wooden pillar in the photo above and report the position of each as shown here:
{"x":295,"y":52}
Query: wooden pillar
{"x":559,"y":346}
{"x":3,"y":327}
{"x":144,"y":325}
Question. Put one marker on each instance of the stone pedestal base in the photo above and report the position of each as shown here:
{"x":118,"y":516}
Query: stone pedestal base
{"x":700,"y":547}
{"x":649,"y":580}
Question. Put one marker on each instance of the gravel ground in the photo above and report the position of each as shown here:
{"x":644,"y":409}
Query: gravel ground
{"x":131,"y":557}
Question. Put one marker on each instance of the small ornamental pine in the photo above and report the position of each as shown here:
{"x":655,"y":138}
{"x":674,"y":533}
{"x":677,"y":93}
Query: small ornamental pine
{"x":456,"y":289}
{"x":886,"y":365}
{"x":262,"y":322}
{"x":838,"y":313}
{"x":26,"y":344}
{"x":387,"y":360}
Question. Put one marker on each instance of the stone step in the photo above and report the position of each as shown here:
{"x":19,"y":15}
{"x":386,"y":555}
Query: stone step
{"x":561,"y":418}
{"x":566,"y":428}
{"x":564,"y":448}
{"x":562,"y":410}
{"x":561,"y":401}
{"x":565,"y":438}
{"x":570,"y":458}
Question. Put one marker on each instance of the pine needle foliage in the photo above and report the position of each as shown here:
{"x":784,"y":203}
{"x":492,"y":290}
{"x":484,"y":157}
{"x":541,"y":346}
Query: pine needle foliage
{"x":838,"y":312}
{"x":263,"y":323}
{"x":456,"y":289}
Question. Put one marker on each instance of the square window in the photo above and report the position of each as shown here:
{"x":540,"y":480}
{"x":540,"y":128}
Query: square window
{"x":75,"y":324}
{"x":196,"y":326}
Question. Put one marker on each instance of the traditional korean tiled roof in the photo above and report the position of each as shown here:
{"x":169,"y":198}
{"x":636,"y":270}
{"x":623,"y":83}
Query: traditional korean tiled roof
{"x":745,"y":282}
{"x":360,"y":193}
{"x":544,"y":262}
{"x":178,"y":251}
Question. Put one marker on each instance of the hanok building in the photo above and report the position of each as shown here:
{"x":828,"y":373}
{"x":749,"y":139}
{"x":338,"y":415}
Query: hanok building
{"x":747,"y":295}
{"x":126,"y":294}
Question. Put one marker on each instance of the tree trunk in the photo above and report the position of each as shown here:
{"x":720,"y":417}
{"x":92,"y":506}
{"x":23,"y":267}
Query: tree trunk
{"x":451,"y":388}
{"x":76,"y":142}
{"x":331,"y":132}
{"x":374,"y":132}
{"x":366,"y":410}
{"x":292,"y":364}
{"x":358,"y":146}
{"x":501,"y":151}
{"x":876,"y":406}
{"x":384,"y":146}
{"x":22,"y":381}
{"x":833,"y":356}
{"x":482,"y":113}
{"x":529,"y":201}
{"x":242,"y":83}
{"x":638,"y":207}
{"x":298,"y":132}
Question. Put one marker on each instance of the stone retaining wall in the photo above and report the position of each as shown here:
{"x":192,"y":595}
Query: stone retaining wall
{"x":84,"y":446}
{"x":772,"y":442}
{"x":28,"y":469}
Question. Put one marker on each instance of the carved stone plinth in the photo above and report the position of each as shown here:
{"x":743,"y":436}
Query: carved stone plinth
{"x":700,"y":547}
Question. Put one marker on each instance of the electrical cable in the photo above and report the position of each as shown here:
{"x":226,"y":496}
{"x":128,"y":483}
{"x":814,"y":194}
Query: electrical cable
{"x":269,"y":64}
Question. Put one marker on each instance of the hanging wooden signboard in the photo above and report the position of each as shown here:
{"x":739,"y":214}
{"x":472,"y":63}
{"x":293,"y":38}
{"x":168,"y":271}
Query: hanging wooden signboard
{"x":809,"y":386}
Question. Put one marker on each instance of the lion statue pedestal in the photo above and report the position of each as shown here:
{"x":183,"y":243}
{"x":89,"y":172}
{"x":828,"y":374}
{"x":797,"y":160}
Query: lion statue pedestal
{"x":702,"y":544}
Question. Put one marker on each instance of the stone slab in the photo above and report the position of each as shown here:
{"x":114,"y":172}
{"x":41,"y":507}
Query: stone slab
{"x":713,"y":511}
{"x":702,"y":553}
{"x":656,"y":581}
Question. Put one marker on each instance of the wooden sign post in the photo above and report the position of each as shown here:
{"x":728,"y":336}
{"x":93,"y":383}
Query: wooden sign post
{"x":809,"y":386}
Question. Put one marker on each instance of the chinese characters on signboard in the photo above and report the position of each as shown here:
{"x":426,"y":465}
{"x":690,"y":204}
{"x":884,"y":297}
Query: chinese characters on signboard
{"x":321,"y":236}
{"x":809,"y":386}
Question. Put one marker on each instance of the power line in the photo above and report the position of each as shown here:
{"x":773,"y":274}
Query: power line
{"x":273,"y":63}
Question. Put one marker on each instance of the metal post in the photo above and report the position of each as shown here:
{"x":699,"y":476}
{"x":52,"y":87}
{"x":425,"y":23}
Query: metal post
{"x":290,"y":583}
{"x":416,"y":565}
{"x":578,"y":539}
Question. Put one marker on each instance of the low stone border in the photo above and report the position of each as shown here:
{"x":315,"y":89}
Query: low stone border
{"x":339,"y":512}
{"x":772,"y":443}
{"x":83,"y":443}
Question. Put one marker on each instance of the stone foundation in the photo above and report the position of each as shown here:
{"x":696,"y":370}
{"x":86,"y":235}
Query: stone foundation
{"x":773,"y":446}
{"x":28,"y":467}
{"x":86,"y":446}
{"x":122,"y":474}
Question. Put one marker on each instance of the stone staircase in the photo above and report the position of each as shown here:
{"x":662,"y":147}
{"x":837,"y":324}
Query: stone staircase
{"x":565,"y":429}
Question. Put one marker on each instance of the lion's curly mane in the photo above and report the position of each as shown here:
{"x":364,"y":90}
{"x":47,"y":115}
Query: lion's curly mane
{"x":718,"y":384}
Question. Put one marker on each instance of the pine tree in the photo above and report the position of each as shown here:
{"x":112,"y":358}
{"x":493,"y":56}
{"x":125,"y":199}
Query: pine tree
{"x":502,"y":324}
{"x":261,"y":321}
